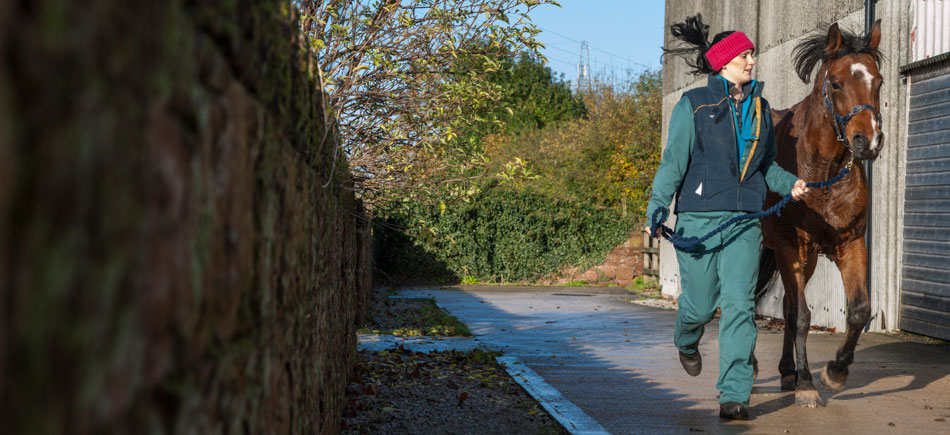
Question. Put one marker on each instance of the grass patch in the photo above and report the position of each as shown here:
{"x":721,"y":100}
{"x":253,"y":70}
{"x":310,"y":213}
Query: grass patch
{"x":645,"y":287}
{"x":412,"y":317}
{"x":588,"y":284}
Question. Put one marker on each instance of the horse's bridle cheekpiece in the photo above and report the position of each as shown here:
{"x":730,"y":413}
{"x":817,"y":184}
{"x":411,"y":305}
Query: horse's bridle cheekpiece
{"x":839,"y":122}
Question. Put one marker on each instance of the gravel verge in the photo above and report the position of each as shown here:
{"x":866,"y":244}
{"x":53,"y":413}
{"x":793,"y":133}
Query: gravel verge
{"x":400,"y":391}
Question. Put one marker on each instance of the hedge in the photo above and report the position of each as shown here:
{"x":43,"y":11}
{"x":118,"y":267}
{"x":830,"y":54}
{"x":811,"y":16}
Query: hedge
{"x":504,"y":234}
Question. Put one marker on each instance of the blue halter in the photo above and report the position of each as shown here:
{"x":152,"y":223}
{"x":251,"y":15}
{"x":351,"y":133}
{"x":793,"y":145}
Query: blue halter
{"x":840,"y":122}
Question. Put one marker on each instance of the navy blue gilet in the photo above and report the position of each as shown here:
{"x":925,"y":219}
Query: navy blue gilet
{"x":712,"y":180}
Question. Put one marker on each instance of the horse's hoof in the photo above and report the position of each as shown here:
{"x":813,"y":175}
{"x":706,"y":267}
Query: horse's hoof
{"x":808,"y":398}
{"x":789,"y":382}
{"x":833,"y":382}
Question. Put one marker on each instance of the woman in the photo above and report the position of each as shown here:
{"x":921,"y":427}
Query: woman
{"x":718,"y":163}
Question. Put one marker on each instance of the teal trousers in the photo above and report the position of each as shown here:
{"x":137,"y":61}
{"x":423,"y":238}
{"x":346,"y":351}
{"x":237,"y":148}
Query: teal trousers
{"x":721,"y":273}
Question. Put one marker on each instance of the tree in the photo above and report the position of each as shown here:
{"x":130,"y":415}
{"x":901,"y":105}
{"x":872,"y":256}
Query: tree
{"x":607,"y":158}
{"x":532,"y":96}
{"x":403,"y":77}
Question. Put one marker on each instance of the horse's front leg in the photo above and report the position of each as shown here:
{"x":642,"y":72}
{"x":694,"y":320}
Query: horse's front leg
{"x":797,"y":266}
{"x":851,"y":259}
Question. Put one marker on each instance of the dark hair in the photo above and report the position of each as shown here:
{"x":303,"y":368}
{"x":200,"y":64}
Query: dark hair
{"x":693,"y":35}
{"x":808,"y":52}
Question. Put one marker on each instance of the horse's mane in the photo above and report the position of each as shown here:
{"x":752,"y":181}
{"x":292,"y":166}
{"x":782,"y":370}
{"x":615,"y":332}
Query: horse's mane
{"x":808,"y":52}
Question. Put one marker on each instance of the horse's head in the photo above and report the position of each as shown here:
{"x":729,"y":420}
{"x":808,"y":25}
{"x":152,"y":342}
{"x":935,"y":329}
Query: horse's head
{"x":849,"y":84}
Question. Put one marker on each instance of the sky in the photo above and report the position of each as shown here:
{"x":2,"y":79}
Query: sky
{"x":623,"y":35}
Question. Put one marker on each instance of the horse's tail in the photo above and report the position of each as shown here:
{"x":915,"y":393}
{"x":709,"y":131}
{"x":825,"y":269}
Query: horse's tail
{"x":768,"y":272}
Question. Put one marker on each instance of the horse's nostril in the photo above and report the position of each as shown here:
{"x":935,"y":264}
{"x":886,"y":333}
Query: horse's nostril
{"x":860,"y":142}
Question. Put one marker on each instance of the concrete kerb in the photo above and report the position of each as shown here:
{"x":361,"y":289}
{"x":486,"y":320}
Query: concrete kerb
{"x":572,"y":418}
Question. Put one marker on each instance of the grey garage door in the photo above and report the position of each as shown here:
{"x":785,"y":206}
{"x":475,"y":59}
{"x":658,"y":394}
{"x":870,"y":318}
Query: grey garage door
{"x":925,"y":283}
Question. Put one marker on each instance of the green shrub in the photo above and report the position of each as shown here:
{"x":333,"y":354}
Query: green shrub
{"x":608,"y":157}
{"x":505,"y":233}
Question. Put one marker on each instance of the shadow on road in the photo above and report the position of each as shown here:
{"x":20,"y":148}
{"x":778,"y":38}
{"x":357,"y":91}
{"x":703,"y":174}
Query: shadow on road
{"x":875,"y":372}
{"x":601,"y":352}
{"x":616,"y":361}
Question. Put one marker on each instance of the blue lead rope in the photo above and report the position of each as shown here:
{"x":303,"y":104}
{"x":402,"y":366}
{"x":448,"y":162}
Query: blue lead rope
{"x":689,"y":244}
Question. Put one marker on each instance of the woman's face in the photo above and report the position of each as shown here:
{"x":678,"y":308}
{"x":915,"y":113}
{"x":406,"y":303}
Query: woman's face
{"x":739,"y":69}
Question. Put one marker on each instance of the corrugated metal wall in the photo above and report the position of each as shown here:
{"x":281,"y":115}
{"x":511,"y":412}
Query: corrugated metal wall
{"x":925,"y":286}
{"x":931,"y":28}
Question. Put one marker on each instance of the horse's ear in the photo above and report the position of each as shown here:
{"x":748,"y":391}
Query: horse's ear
{"x":834,"y":39}
{"x":875,"y":37}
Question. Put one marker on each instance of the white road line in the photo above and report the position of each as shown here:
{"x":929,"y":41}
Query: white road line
{"x":565,"y":412}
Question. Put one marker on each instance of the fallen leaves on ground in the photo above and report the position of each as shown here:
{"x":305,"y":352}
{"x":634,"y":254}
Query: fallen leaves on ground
{"x":401,"y":391}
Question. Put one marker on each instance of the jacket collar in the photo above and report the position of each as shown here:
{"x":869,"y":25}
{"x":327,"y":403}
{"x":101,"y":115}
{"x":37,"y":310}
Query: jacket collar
{"x":715,"y":85}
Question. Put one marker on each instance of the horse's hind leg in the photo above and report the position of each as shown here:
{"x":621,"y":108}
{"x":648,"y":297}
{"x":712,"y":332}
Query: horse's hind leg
{"x":755,"y":365}
{"x":795,"y":274}
{"x":786,"y":366}
{"x":851,"y":260}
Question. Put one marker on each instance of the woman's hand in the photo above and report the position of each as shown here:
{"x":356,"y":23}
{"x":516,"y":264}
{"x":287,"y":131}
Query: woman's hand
{"x":799,"y":190}
{"x":647,"y":229}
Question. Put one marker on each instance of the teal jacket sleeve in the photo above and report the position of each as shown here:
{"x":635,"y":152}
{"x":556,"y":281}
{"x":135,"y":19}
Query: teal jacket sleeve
{"x":679,"y":147}
{"x":777,"y":179}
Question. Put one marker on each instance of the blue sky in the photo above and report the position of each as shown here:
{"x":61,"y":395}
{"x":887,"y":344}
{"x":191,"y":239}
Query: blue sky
{"x":622,"y":34}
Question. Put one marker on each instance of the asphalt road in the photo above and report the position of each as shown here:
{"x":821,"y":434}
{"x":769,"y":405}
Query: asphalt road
{"x":615,"y":361}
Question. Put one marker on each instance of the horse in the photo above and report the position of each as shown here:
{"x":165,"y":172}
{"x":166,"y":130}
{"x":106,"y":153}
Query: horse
{"x":815,"y":141}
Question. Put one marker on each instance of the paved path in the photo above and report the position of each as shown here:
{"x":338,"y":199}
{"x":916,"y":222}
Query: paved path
{"x":616,"y":362}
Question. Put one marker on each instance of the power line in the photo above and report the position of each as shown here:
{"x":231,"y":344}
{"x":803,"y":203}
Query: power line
{"x":595,"y":48}
{"x":558,"y":34}
{"x":612,"y":66}
{"x":620,"y":57}
{"x":561,"y":49}
{"x":562,"y":61}
{"x":574,"y":53}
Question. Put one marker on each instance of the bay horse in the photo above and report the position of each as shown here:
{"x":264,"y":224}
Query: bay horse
{"x":837,"y":124}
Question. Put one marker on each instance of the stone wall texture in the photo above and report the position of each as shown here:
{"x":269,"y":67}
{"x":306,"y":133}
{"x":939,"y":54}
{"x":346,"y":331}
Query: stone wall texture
{"x":180,"y":251}
{"x":624,"y":263}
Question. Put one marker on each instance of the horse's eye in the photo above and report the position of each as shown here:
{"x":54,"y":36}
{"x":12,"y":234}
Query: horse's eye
{"x":835,"y":86}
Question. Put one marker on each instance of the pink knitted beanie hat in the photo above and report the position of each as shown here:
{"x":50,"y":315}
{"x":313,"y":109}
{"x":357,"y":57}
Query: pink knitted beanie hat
{"x":724,"y":51}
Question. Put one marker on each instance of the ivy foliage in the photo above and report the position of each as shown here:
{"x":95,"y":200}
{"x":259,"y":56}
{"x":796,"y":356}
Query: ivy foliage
{"x":506,"y":233}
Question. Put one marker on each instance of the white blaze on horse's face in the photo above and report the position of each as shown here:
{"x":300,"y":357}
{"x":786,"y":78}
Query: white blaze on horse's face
{"x":860,"y":71}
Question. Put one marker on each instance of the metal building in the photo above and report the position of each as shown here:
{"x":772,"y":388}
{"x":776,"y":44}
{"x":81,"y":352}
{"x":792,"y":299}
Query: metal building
{"x":910,"y":215}
{"x":925,"y":281}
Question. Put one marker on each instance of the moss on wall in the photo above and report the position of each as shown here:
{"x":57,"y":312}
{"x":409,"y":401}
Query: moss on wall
{"x":169,"y":259}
